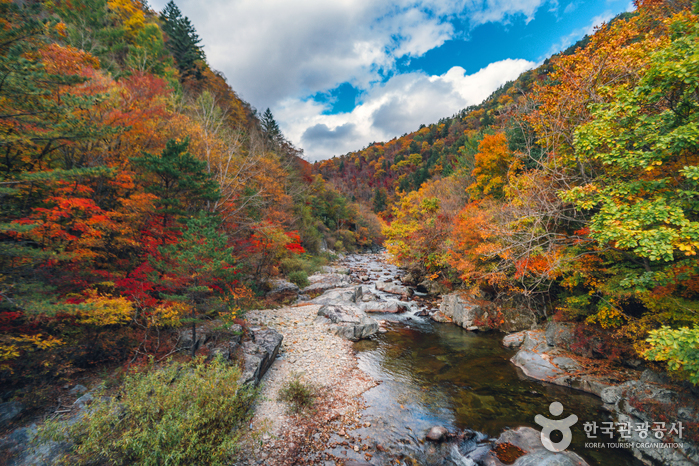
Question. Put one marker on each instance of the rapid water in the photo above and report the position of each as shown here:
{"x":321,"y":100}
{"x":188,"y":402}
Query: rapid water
{"x":434,"y":374}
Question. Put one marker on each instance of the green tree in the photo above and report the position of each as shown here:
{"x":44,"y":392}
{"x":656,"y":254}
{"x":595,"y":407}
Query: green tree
{"x":199,"y":261}
{"x":379,"y":201}
{"x":270,"y":126}
{"x":183,"y":41}
{"x":179,"y":179}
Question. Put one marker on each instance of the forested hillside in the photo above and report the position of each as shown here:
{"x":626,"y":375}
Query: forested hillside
{"x":138,"y":191}
{"x":574,"y":189}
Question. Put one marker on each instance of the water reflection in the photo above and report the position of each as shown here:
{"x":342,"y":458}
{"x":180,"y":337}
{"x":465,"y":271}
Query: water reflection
{"x":436,"y":374}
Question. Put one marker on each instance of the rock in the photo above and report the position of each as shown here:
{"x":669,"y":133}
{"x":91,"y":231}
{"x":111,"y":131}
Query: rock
{"x":529,"y":440}
{"x":458,"y":309}
{"x":513,"y":340}
{"x":390,"y":307}
{"x":341,"y":296}
{"x":515,"y":319}
{"x":334,"y":269}
{"x":84,"y":400}
{"x":432,"y":287}
{"x":650,"y":376}
{"x":473,"y":328}
{"x":19,"y":449}
{"x":282,"y":290}
{"x":259,"y":354}
{"x":437,"y":433}
{"x":356,"y":463}
{"x":542,"y":362}
{"x":651,"y":451}
{"x":349,"y":321}
{"x":423,"y":313}
{"x":77,"y":390}
{"x":412,"y":278}
{"x":9,"y":411}
{"x":392,"y":288}
{"x":559,"y":334}
{"x":185,"y":336}
{"x":320,"y":283}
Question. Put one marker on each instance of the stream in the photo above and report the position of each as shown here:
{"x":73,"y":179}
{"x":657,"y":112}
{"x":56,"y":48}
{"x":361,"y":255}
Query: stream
{"x":434,"y":374}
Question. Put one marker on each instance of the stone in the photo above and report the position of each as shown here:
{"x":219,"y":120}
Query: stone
{"x":560,"y":335}
{"x":458,"y":309}
{"x":650,"y":376}
{"x":320,"y":283}
{"x":389,"y":307}
{"x":349,"y":322}
{"x":342,"y":296}
{"x":392,"y":288}
{"x":529,"y":440}
{"x":423,"y":313}
{"x":515,"y":319}
{"x":19,"y":449}
{"x":473,"y":328}
{"x":432,"y":287}
{"x":84,"y":400}
{"x":259,"y":354}
{"x":9,"y":411}
{"x":513,"y":340}
{"x":356,"y":463}
{"x":437,"y":434}
{"x":77,"y":390}
{"x":282,"y":290}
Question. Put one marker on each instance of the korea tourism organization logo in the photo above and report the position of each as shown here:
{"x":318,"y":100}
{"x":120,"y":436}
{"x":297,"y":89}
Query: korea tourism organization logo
{"x":551,"y":425}
{"x":660,"y":435}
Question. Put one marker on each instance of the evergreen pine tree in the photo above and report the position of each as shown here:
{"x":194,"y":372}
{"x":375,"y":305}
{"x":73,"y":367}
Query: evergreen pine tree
{"x":270,"y":126}
{"x":183,"y":41}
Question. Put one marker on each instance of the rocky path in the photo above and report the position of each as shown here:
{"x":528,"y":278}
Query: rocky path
{"x":320,"y":357}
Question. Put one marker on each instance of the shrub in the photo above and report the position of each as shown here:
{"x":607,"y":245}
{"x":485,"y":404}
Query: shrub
{"x":179,"y":414}
{"x":299,"y":394}
{"x":299,"y":277}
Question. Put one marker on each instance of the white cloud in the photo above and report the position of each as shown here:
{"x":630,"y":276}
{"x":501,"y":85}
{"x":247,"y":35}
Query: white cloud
{"x":276,"y":53}
{"x":398,"y":106}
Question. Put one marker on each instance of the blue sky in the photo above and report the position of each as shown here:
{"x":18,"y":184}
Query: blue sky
{"x":340,"y":74}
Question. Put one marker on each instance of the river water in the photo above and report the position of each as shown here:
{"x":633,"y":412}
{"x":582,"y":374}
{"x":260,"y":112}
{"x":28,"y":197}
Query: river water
{"x":440,"y":374}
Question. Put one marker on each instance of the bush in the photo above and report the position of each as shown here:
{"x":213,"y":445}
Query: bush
{"x":300,"y":278}
{"x":179,"y":414}
{"x":299,"y":394}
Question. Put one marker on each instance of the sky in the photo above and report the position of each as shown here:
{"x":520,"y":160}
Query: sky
{"x":341,"y":74}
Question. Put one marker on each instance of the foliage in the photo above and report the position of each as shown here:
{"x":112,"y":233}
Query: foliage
{"x":175,"y":414}
{"x":299,"y":277}
{"x":678,"y":347}
{"x":299,"y":394}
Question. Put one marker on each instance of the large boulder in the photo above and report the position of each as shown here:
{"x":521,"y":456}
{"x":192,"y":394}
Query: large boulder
{"x":529,"y":441}
{"x":432,"y":287}
{"x":386,"y":307}
{"x":460,"y":310}
{"x":9,"y":411}
{"x":392,"y":288}
{"x":322,"y":282}
{"x":349,"y":322}
{"x":542,"y":362}
{"x":341,"y":296}
{"x":259,"y":353}
{"x":560,"y":335}
{"x":282,"y":290}
{"x":633,"y":403}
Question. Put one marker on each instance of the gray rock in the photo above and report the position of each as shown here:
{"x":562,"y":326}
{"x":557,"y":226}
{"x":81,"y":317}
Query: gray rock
{"x":84,"y":400}
{"x":349,"y":322}
{"x":341,"y":296}
{"x":356,"y":463}
{"x":19,"y":449}
{"x":529,"y":440}
{"x":460,"y":310}
{"x":9,"y":411}
{"x":77,"y":390}
{"x":437,"y":434}
{"x":432,"y":287}
{"x":559,"y":334}
{"x":320,"y":283}
{"x":513,"y":340}
{"x":259,"y":354}
{"x":645,"y":449}
{"x":334,"y":269}
{"x":282,"y":290}
{"x":392,"y":288}
{"x":650,"y":376}
{"x":389,"y":307}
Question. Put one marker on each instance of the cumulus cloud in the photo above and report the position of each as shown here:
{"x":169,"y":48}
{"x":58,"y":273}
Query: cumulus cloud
{"x":272,"y":49}
{"x":277,"y":53}
{"x":398,"y":106}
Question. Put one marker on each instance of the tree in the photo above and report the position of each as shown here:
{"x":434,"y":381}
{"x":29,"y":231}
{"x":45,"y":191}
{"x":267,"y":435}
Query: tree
{"x":270,"y":127}
{"x":178,"y":179}
{"x":183,"y":41}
